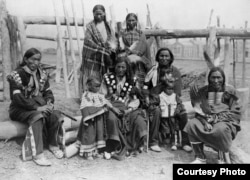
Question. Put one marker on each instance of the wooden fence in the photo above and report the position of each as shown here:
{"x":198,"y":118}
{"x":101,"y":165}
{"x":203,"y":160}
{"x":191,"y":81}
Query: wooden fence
{"x":14,"y":37}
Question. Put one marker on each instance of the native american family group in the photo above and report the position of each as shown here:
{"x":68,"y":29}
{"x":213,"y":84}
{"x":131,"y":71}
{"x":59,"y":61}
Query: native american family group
{"x":127,"y":104}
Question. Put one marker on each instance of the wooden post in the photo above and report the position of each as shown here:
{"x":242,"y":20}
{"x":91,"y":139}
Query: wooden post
{"x":234,"y":64}
{"x":65,"y":76}
{"x":210,"y":18}
{"x":5,"y":40}
{"x":77,"y":36}
{"x":58,"y":61}
{"x":113,"y":19}
{"x":244,"y":61}
{"x":228,"y":68}
{"x":22,"y":34}
{"x":71,"y":49}
{"x":12,"y":27}
{"x":83,"y":17}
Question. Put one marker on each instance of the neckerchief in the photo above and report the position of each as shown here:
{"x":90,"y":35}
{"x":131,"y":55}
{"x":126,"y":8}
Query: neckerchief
{"x":33,"y":79}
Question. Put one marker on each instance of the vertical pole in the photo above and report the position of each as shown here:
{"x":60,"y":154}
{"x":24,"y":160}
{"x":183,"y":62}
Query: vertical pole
{"x":71,"y":49}
{"x":77,"y":35}
{"x":244,"y":61}
{"x":65,"y":76}
{"x":83,"y":16}
{"x":58,"y":61}
{"x":227,"y":59}
{"x":234,"y":64}
{"x":5,"y":40}
{"x":22,"y":34}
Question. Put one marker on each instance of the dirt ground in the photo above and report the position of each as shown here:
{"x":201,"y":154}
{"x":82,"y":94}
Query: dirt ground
{"x":146,"y":166}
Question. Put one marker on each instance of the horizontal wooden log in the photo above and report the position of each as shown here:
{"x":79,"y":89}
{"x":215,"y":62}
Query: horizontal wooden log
{"x":195,"y":33}
{"x":49,"y":38}
{"x":51,"y":20}
{"x":11,"y":129}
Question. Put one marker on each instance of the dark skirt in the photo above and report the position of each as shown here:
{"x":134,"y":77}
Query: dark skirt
{"x":130,"y":129}
{"x":91,"y":137}
{"x":219,"y":138}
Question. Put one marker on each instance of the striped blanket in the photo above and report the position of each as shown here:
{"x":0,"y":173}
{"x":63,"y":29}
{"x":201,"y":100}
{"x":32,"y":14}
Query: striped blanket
{"x":96,"y":53}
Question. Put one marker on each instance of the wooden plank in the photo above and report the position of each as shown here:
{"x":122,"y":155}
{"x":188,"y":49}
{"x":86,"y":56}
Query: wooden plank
{"x":65,"y":76}
{"x":71,"y":49}
{"x":51,"y":20}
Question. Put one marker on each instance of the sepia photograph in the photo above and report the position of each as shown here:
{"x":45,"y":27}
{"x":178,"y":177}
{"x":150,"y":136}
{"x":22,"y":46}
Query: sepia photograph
{"x":113,"y":89}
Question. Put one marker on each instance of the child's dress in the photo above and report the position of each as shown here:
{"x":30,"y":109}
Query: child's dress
{"x":91,"y":134}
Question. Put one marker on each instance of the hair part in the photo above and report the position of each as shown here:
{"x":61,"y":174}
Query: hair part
{"x":129,"y":75}
{"x":215,"y":69}
{"x":164,"y":49}
{"x":131,"y":15}
{"x":29,"y":53}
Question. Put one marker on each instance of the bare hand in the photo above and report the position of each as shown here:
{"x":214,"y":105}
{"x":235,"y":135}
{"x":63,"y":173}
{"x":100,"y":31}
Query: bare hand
{"x":208,"y":127}
{"x":117,"y":111}
{"x":47,"y":109}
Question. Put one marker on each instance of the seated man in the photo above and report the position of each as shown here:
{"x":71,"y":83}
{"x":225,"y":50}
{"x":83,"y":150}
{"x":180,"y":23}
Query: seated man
{"x":32,"y":104}
{"x":217,"y":118}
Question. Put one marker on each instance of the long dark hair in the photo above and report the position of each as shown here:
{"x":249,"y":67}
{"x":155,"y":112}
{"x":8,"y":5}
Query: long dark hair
{"x":101,"y":7}
{"x":214,"y":69}
{"x":131,"y":15}
{"x":29,"y":53}
{"x":164,"y":49}
{"x":129,"y":75}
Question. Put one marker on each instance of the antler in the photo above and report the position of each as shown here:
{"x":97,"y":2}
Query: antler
{"x":209,"y":61}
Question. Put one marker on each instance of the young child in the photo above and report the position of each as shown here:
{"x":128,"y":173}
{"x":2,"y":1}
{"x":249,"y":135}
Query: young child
{"x":170,"y":105}
{"x":91,"y":133}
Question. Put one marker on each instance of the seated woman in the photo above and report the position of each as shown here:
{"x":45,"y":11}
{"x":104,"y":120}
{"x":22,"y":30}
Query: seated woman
{"x":32,"y":103}
{"x":217,"y":118}
{"x":164,"y":58}
{"x":133,"y":42}
{"x":91,"y":134}
{"x":126,"y":122}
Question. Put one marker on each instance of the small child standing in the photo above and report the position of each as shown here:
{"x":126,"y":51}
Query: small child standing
{"x":91,"y":133}
{"x":170,"y":104}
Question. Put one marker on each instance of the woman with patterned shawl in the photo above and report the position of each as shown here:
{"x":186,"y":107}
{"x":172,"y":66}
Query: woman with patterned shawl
{"x":126,"y":121}
{"x":99,"y":44}
{"x":32,"y":103}
{"x":217,"y":118}
{"x":133,"y":42}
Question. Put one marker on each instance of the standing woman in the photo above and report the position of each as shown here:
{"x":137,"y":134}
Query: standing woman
{"x":99,"y":45}
{"x":32,"y":103}
{"x":133,"y":42}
